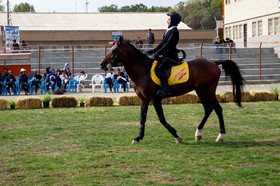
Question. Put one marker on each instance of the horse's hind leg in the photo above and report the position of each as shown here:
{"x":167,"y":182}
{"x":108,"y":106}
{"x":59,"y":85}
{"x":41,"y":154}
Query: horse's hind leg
{"x":159,"y":110}
{"x":144,"y":111}
{"x":208,"y":108}
{"x":219,"y":112}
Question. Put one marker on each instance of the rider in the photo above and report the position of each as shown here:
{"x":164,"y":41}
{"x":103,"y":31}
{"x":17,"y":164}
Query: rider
{"x":167,"y":48}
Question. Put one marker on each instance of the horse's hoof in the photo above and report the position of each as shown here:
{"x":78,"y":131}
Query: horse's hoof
{"x":134,"y":141}
{"x":179,"y":139}
{"x":219,"y":139}
{"x":198,"y":138}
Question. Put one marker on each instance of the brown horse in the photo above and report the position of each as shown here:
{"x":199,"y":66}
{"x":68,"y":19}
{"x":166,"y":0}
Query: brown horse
{"x":203,"y":78}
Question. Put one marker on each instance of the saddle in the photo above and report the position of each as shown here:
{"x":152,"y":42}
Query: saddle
{"x":176,"y":74}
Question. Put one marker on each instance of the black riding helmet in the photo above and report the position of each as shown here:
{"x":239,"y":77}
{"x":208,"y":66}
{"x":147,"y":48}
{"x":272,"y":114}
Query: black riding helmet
{"x":175,"y":18}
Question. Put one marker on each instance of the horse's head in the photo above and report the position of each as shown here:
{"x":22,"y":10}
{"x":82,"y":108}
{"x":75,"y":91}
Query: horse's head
{"x":114,"y":57}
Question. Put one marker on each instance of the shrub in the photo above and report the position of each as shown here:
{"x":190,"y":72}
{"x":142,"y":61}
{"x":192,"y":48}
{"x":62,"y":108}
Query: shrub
{"x":99,"y":101}
{"x":64,"y":101}
{"x":82,"y":99}
{"x":47,"y":97}
{"x":29,"y":103}
{"x":275,"y":90}
{"x":3,"y":104}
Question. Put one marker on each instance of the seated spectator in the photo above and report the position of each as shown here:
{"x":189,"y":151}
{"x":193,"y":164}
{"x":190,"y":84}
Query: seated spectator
{"x":114,"y":41}
{"x":23,"y":80}
{"x":15,"y":46}
{"x":36,"y":80}
{"x":1,"y":83}
{"x":81,"y":79}
{"x":58,"y":80}
{"x":51,"y":81}
{"x":10,"y":82}
{"x":48,"y":70}
{"x":109,"y":79}
{"x":66,"y":69}
{"x":67,"y":79}
{"x":120,"y":77}
{"x":5,"y":73}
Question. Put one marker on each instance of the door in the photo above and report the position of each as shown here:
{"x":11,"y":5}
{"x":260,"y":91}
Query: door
{"x":245,"y":35}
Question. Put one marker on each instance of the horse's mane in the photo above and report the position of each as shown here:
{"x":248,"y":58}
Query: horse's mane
{"x":138,"y":53}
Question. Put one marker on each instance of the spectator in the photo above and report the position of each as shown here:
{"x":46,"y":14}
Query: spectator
{"x":58,"y":80}
{"x":36,"y":80}
{"x":66,"y":69}
{"x":51,"y":81}
{"x":109,"y":79}
{"x":114,"y":41}
{"x":67,"y":79}
{"x":1,"y":83}
{"x":120,"y":77}
{"x":217,"y":46}
{"x":139,"y":43}
{"x":5,"y":73}
{"x":10,"y":82}
{"x":24,"y":47}
{"x":23,"y":80}
{"x":229,"y":41}
{"x":15,"y":46}
{"x":81,"y":79}
{"x":48,"y":70}
{"x":150,"y":38}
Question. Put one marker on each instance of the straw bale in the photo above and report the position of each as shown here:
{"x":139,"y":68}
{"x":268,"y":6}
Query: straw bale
{"x":219,"y":98}
{"x":98,"y":101}
{"x":227,"y":96}
{"x":29,"y":103}
{"x":64,"y":101}
{"x":246,"y":96}
{"x":166,"y":101}
{"x":3,"y":104}
{"x":126,"y":100}
{"x":262,"y":96}
{"x":186,"y":98}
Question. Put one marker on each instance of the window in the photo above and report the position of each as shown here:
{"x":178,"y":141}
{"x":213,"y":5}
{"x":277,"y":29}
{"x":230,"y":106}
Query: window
{"x":233,"y":32}
{"x":240,"y":32}
{"x":276,"y":25}
{"x":254,"y":29}
{"x":260,"y":28}
{"x":236,"y":32}
{"x":53,"y":48}
{"x":227,"y":1}
{"x":270,"y":26}
{"x":66,"y":48}
{"x":79,"y":48}
{"x":229,"y":32}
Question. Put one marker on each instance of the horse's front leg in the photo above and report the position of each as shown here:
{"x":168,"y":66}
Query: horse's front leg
{"x":159,"y":110}
{"x":144,"y":111}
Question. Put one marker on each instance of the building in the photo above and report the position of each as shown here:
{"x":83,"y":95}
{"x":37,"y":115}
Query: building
{"x":95,"y":28}
{"x":249,"y":22}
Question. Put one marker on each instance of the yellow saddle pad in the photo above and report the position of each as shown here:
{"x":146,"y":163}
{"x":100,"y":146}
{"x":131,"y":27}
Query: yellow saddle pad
{"x":179,"y":74}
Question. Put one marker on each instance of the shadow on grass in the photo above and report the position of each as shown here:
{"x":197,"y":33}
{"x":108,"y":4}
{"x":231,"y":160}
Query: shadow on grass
{"x":235,"y":144}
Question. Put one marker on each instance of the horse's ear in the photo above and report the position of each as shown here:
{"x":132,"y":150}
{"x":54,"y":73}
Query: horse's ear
{"x":121,"y":40}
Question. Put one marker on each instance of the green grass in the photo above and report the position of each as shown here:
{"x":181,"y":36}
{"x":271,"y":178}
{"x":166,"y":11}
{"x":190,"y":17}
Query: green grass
{"x":92,"y":146}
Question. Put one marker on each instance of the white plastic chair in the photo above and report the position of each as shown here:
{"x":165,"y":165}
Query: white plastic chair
{"x":82,"y":85}
{"x":97,"y":81}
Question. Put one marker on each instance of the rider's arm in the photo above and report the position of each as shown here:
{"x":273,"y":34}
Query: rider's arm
{"x":174,"y":37}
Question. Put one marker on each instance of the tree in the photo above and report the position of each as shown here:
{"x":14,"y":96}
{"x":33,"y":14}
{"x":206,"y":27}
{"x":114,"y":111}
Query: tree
{"x":23,"y":7}
{"x":133,"y":8}
{"x":2,"y":7}
{"x":200,"y":14}
{"x":111,"y":8}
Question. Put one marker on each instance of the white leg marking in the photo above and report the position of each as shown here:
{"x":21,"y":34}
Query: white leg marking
{"x":220,"y":138}
{"x":198,"y":135}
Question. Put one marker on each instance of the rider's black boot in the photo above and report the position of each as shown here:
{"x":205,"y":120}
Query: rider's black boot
{"x":165,"y":90}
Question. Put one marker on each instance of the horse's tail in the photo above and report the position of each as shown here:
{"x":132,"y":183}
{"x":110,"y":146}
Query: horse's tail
{"x":231,"y":69}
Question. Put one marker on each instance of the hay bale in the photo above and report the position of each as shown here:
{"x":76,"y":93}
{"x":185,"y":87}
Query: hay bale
{"x":219,"y":98}
{"x":246,"y":96}
{"x":98,"y":101}
{"x":166,"y":101}
{"x":3,"y":104}
{"x":262,"y":96}
{"x":227,"y":96}
{"x":64,"y":101}
{"x":126,"y":100}
{"x":29,"y":103}
{"x":186,"y":98}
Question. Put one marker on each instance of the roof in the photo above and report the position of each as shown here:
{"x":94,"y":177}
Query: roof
{"x":89,"y":21}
